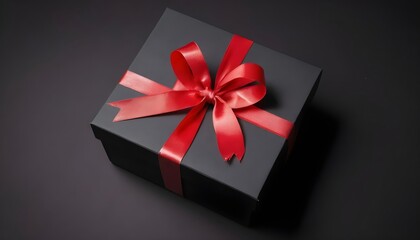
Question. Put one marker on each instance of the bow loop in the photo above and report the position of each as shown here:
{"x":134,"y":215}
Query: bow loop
{"x":243,"y":86}
{"x":190,"y":67}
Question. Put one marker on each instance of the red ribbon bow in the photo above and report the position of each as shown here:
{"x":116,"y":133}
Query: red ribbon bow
{"x":238,"y":86}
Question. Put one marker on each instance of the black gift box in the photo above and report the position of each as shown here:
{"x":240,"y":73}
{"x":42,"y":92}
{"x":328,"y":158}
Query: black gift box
{"x":232,"y":188}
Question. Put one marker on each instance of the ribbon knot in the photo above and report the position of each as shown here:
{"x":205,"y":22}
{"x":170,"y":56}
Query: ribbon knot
{"x":208,"y":95}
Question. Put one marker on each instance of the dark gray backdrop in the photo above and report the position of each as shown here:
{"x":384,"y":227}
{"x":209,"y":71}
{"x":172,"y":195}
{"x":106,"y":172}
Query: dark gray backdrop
{"x":355,"y":174}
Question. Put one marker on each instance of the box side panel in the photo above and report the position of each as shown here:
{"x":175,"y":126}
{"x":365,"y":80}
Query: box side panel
{"x":218,"y":197}
{"x":198,"y":188}
{"x":130,"y":156}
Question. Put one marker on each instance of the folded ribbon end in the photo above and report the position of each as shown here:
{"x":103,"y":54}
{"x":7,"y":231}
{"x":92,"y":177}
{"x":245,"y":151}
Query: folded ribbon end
{"x":228,"y":157}
{"x":240,"y":155}
{"x":117,"y":118}
{"x":116,"y":104}
{"x":234,"y":149}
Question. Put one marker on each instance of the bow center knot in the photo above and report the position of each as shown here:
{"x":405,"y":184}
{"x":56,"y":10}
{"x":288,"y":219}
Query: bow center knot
{"x":208,"y":94}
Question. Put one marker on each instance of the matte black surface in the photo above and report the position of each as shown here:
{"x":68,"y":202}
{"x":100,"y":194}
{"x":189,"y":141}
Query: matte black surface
{"x":231,"y":188}
{"x":355,"y":174}
{"x":289,"y":81}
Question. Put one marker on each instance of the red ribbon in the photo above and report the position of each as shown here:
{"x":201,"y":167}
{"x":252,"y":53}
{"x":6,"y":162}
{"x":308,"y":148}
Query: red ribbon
{"x":238,"y":86}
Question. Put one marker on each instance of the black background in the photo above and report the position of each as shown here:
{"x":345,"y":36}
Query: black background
{"x":355,"y":171}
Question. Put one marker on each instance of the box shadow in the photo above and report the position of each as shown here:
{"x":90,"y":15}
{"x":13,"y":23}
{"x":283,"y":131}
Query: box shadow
{"x":291,"y":186}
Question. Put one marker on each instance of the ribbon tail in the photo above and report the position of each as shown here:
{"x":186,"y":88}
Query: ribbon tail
{"x":265,"y":120}
{"x":177,"y":145}
{"x":155,"y":104}
{"x":228,"y":131}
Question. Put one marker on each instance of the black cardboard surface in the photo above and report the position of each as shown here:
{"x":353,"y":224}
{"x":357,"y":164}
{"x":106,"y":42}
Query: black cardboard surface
{"x":230,"y":188}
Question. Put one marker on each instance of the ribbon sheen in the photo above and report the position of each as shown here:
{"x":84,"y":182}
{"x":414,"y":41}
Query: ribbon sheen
{"x":238,"y":86}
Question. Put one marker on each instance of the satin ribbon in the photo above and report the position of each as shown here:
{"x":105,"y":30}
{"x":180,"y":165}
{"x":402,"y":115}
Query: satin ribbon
{"x":238,"y":86}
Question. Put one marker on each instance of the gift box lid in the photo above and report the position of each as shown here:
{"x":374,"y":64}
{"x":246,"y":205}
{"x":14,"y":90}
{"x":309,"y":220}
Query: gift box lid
{"x":289,"y":83}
